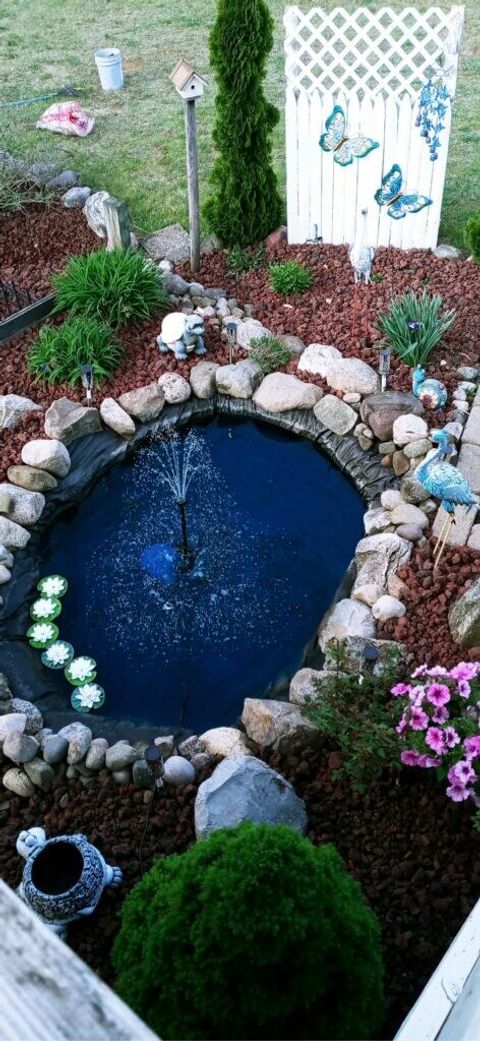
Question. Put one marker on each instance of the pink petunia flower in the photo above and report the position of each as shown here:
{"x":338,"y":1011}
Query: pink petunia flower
{"x":441,"y":715}
{"x":463,"y":688}
{"x":472,"y":747}
{"x":402,"y":725}
{"x":420,"y":671}
{"x":461,"y":773}
{"x":438,"y":694}
{"x":451,"y":737}
{"x":437,"y":670}
{"x":459,"y":792}
{"x":465,"y":670}
{"x":435,"y":740}
{"x":432,"y":762}
{"x":418,"y":719}
{"x":400,"y":690}
{"x":410,"y":757}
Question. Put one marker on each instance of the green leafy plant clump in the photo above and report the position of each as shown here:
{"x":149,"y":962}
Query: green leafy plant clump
{"x":59,"y":352}
{"x":290,"y":277}
{"x":241,"y":260}
{"x":245,"y":204}
{"x":471,"y":237}
{"x":415,"y":325}
{"x":358,"y":713}
{"x":252,"y":933}
{"x":115,"y":287}
{"x":269,"y":353}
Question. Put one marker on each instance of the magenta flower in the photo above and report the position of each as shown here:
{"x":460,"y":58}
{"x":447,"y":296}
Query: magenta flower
{"x":472,"y":747}
{"x":402,"y":725}
{"x":418,"y":719}
{"x":435,"y":740}
{"x":461,"y":773}
{"x":458,"y":792}
{"x":441,"y":715}
{"x":432,"y":762}
{"x":437,"y":670}
{"x":438,"y":694}
{"x":400,"y":690}
{"x":451,"y":737}
{"x":465,"y":670}
{"x":464,"y":688}
{"x":420,"y":671}
{"x":410,"y":757}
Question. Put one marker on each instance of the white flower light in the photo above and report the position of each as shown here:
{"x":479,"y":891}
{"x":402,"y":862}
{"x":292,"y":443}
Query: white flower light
{"x":43,"y":608}
{"x":80,"y":668}
{"x":53,"y":586}
{"x":42,"y":632}
{"x":58,"y":653}
{"x":88,"y":696}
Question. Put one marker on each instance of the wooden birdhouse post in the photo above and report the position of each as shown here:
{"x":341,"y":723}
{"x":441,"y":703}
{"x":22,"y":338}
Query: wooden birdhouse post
{"x":190,"y":86}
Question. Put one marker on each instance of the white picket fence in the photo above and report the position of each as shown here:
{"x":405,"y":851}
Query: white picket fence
{"x":374,"y":64}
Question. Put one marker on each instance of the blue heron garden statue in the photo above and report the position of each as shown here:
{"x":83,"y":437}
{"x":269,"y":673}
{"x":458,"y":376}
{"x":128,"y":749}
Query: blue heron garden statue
{"x":432,"y":393}
{"x":444,"y":482}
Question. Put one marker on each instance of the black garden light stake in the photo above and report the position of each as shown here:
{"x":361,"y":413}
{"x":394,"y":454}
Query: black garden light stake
{"x":154,"y":760}
{"x":384,"y":366}
{"x":231,"y":330}
{"x":87,"y":381}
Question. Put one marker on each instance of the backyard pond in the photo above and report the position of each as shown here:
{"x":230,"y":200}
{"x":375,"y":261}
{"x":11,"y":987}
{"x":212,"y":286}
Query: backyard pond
{"x":182,"y":639}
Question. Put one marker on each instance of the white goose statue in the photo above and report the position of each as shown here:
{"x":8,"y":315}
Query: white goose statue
{"x":361,"y":255}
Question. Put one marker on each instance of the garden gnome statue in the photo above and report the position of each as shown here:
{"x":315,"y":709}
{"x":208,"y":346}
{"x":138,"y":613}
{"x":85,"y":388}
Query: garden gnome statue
{"x":183,"y":334}
{"x":63,"y":878}
{"x":361,"y":255}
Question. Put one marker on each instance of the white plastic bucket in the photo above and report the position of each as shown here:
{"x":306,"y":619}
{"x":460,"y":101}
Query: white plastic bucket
{"x":109,"y":64}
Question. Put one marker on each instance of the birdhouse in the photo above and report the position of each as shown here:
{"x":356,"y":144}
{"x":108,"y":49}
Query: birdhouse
{"x":187,"y":82}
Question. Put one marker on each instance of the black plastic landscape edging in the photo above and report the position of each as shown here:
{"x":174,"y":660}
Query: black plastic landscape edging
{"x":26,"y":318}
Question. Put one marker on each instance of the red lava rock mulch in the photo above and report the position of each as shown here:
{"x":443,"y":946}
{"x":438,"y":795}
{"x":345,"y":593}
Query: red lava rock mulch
{"x":428,"y":597}
{"x":37,"y":242}
{"x":411,"y":848}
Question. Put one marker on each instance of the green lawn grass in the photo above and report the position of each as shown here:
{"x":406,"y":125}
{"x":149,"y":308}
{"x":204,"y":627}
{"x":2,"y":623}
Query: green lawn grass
{"x":136,"y":149}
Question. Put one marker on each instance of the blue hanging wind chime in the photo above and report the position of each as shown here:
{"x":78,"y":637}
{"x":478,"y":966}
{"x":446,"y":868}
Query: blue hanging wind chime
{"x":432,"y":109}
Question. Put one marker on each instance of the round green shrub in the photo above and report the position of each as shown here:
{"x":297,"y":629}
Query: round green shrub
{"x":252,"y":933}
{"x":59,"y":352}
{"x":114,"y":286}
{"x":245,"y":204}
{"x":290,"y":277}
{"x":471,"y":237}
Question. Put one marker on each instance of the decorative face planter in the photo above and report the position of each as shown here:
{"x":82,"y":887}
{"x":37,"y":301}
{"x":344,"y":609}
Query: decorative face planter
{"x":63,"y":878}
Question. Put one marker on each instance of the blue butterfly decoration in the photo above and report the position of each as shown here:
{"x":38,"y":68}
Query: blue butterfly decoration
{"x":335,"y":139}
{"x":399,"y":203}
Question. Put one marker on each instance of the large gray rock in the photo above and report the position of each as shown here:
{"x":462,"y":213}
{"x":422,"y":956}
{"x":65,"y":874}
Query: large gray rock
{"x":352,"y":375}
{"x":175,"y":388}
{"x":6,"y":558}
{"x":94,"y":213}
{"x":407,"y":513}
{"x":75,"y":198}
{"x":40,"y":774}
{"x":307,"y":685}
{"x":66,"y":420}
{"x":412,"y":490}
{"x":346,"y":618}
{"x":79,"y":738}
{"x":120,"y":755}
{"x":47,"y":454}
{"x":178,"y":771}
{"x":387,"y":607}
{"x":12,"y":535}
{"x":20,"y":748}
{"x":12,"y":723}
{"x":378,"y":557}
{"x":170,"y":243}
{"x":239,"y":380}
{"x":409,"y":427}
{"x":12,"y":409}
{"x":335,"y":415}
{"x":224,"y":742}
{"x":202,"y":379}
{"x":95,"y":757}
{"x":280,"y":392}
{"x":318,"y":358}
{"x":278,"y":725}
{"x":31,"y":478}
{"x":380,"y":411}
{"x":55,"y":749}
{"x":26,"y":507}
{"x":242,"y":788}
{"x":464,"y":617}
{"x":116,"y":418}
{"x":15,"y":780}
{"x":33,"y":716}
{"x":144,"y":403}
{"x":248,"y":330}
{"x":64,"y":180}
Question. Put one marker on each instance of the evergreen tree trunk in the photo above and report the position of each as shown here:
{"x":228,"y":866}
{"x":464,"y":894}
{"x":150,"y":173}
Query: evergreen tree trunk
{"x":245,"y":205}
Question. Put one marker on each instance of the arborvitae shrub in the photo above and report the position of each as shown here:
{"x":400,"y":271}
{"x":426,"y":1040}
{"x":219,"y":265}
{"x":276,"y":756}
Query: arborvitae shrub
{"x":252,"y":933}
{"x":471,"y":237}
{"x":245,"y":205}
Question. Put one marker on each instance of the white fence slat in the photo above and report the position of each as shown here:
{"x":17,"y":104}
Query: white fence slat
{"x":374,"y":63}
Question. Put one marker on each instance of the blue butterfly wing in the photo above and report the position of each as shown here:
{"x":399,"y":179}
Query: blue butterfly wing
{"x":411,"y":203}
{"x":391,"y":186}
{"x":354,"y":148}
{"x":335,"y":129}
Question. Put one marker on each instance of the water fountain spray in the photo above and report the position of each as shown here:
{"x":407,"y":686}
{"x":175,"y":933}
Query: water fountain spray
{"x":179,"y":464}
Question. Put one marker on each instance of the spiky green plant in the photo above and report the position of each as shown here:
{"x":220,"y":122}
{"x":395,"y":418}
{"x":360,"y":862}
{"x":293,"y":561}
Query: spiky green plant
{"x":269,"y":353}
{"x":58,"y":353}
{"x":290,"y":277}
{"x":115,"y":287}
{"x":245,"y":205}
{"x":414,"y":325}
{"x":252,"y":933}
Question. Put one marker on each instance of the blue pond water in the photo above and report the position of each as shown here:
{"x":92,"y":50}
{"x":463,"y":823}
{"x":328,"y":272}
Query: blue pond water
{"x":273,"y":526}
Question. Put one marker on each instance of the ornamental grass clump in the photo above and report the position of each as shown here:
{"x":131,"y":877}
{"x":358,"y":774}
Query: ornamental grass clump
{"x":115,"y":287}
{"x":252,"y":933}
{"x":440,"y":727}
{"x":414,"y":326}
{"x":59,"y":352}
{"x":290,"y":277}
{"x":269,"y":353}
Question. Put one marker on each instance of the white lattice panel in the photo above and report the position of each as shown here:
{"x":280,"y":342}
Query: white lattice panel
{"x":374,"y":63}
